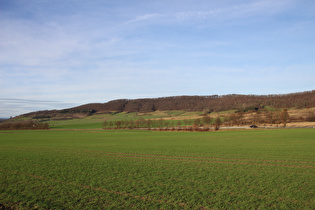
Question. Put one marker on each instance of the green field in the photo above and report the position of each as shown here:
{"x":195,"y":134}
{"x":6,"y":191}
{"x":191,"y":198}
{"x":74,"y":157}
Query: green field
{"x":102,"y":169}
{"x":96,"y":121}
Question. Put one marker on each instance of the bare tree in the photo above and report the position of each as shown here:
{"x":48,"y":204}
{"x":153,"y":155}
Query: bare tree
{"x":197,"y":122}
{"x":118,"y":124}
{"x":284,"y":117}
{"x":105,"y":124}
{"x":217,"y":123}
{"x":206,"y":120}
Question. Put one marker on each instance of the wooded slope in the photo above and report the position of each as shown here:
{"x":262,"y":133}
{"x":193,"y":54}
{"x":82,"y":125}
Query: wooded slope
{"x":194,"y":103}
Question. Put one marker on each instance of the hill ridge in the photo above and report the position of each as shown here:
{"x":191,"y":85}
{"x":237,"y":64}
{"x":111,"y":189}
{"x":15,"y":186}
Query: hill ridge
{"x":210,"y":103}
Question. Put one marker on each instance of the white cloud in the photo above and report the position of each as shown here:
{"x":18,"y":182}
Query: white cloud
{"x":13,"y":106}
{"x":28,"y":43}
{"x":143,"y":17}
{"x":254,"y":8}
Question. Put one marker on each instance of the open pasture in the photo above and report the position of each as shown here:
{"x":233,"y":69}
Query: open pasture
{"x":100,"y":169}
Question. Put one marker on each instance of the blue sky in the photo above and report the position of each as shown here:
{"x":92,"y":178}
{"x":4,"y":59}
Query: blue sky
{"x":61,"y":53}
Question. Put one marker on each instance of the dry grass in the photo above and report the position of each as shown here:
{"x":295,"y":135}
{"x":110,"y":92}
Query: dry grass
{"x":301,"y":113}
{"x":297,"y":117}
{"x":301,"y":124}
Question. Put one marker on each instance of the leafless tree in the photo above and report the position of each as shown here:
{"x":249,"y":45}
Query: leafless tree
{"x":217,"y":123}
{"x":284,"y":116}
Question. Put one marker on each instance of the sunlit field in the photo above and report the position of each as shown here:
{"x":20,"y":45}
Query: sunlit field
{"x":100,"y":169}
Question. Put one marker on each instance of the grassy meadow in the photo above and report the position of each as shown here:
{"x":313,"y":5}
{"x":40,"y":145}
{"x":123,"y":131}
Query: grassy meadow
{"x":102,"y":169}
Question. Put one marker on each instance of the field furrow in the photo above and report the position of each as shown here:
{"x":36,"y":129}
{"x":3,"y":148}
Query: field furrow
{"x":143,"y":169}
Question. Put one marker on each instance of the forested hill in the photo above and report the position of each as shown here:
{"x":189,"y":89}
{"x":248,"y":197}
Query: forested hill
{"x":194,"y":103}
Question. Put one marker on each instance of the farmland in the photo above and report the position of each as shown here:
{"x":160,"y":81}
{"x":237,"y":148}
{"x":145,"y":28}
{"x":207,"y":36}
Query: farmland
{"x":268,"y":117}
{"x":93,"y":169}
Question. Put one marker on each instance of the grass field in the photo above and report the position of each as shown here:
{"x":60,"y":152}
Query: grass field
{"x":100,"y":169}
{"x":96,"y":121}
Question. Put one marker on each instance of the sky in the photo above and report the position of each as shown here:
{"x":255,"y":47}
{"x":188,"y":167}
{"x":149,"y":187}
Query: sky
{"x":57,"y":54}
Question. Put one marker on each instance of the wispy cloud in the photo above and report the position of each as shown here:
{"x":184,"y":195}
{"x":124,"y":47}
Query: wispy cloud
{"x":28,"y":43}
{"x":16,"y":106}
{"x":143,"y":17}
{"x":19,"y":100}
{"x":254,"y":8}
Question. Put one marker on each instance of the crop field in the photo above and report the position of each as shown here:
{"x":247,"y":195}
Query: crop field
{"x":102,"y":169}
{"x":96,"y":121}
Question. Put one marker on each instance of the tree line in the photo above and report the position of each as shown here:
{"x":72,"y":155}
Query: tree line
{"x":202,"y":124}
{"x":28,"y":125}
